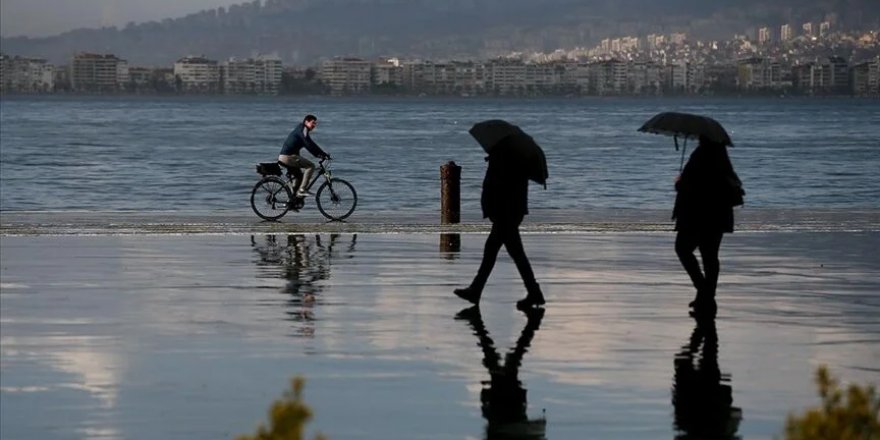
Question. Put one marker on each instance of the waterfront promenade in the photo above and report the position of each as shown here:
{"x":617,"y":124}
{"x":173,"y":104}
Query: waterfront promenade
{"x":186,"y":326}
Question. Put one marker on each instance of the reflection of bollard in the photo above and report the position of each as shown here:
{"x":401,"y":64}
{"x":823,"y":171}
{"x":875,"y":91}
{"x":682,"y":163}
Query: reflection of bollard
{"x":450,"y":193}
{"x":450,"y":244}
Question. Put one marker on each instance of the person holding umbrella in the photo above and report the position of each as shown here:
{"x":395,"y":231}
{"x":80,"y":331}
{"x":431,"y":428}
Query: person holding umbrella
{"x":707,"y":190}
{"x":513,"y":159}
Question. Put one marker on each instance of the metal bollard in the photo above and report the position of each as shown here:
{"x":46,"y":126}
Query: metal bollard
{"x":450,"y":193}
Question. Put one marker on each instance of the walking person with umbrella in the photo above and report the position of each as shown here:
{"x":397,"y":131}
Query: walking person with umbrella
{"x":706,"y":192}
{"x":514,"y":158}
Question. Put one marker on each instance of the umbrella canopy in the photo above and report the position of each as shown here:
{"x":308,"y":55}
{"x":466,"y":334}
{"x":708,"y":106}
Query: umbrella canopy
{"x":687,"y":125}
{"x":495,"y":133}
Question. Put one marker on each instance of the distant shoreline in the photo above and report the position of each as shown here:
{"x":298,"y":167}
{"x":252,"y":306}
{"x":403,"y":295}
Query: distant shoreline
{"x":20,"y":96}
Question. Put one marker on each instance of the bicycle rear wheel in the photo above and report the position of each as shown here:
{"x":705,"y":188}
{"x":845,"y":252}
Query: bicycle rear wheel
{"x":271,"y":198}
{"x":336,"y":199}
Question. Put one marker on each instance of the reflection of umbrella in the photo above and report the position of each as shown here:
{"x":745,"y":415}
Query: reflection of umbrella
{"x":686,"y":125}
{"x":496,"y":133}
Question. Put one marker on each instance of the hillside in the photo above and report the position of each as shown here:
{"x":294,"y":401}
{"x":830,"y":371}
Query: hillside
{"x":303,"y":31}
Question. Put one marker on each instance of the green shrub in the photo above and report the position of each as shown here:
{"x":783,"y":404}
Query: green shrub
{"x":853,"y":414}
{"x":287,"y":416}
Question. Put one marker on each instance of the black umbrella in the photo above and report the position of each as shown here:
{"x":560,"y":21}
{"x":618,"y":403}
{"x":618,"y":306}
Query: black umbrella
{"x":686,"y":125}
{"x":520,"y":145}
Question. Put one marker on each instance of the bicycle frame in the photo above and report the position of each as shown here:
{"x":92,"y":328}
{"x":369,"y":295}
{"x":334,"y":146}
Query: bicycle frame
{"x":320,"y":171}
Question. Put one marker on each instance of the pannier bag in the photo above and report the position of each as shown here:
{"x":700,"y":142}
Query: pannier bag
{"x":269,"y":169}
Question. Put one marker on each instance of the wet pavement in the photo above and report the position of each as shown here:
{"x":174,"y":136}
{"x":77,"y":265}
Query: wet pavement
{"x":174,"y":336}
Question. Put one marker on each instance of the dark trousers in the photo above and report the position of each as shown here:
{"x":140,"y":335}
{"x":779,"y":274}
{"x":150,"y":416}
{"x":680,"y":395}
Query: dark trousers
{"x":708,"y":242}
{"x":504,"y":232}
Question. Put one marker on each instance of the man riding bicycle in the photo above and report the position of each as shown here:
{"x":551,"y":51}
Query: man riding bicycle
{"x":290,"y":152}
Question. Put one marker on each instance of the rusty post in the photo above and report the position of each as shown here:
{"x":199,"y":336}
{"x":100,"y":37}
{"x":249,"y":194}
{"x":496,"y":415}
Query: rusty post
{"x":450,"y":244}
{"x":450,"y":193}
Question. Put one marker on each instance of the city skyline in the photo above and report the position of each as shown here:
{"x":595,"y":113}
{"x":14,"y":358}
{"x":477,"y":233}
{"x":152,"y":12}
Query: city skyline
{"x":459,"y":29}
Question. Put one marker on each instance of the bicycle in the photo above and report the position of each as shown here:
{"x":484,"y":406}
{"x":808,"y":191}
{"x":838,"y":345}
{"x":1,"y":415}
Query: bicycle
{"x":272,"y":196}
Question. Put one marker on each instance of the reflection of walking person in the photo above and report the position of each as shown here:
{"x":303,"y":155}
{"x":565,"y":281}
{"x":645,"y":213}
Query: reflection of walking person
{"x":701,"y":394}
{"x":505,"y":202}
{"x":503,"y":401}
{"x":708,"y":188}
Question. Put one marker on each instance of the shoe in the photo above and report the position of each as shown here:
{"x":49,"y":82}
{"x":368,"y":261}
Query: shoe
{"x":304,"y":193}
{"x":468,"y":294}
{"x":534,"y":298}
{"x":701,"y":297}
{"x":704,"y":309}
{"x":469,"y":313}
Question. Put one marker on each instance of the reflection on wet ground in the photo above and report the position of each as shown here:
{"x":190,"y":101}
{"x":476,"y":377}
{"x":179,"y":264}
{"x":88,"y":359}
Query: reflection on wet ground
{"x":303,"y":261}
{"x":701,"y":394}
{"x":503,"y":398}
{"x":191,"y":337}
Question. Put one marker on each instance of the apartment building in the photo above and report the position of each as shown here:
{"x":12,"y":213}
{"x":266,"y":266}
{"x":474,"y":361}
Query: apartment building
{"x":763,"y":35}
{"x":26,"y":75}
{"x":576,"y":77}
{"x":260,"y":75}
{"x":643,"y":77}
{"x":543,"y":78}
{"x":785,"y":32}
{"x":683,"y":77}
{"x":826,"y":76}
{"x":97,"y":73}
{"x":608,"y":77}
{"x":196,"y":74}
{"x":346,"y":76}
{"x":506,"y":77}
{"x":866,"y":78}
{"x":762,"y":74}
{"x":720,"y":77}
{"x":387,"y":73}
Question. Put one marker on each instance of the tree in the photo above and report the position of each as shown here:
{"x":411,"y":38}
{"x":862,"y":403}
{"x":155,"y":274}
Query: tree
{"x":853,"y":417}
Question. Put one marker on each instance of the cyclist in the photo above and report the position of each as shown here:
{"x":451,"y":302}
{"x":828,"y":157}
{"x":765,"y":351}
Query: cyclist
{"x":290,"y":152}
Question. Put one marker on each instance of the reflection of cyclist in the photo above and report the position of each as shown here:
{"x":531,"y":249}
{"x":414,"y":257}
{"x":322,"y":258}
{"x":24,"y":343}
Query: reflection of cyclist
{"x":296,"y":140}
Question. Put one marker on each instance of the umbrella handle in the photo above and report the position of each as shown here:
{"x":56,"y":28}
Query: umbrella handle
{"x":683,"y":149}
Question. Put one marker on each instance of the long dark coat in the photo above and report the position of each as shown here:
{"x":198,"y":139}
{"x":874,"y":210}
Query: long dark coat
{"x":705,"y":190}
{"x":505,"y":194}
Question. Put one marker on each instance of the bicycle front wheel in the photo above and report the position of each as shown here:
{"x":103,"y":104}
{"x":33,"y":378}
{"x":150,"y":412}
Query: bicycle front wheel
{"x":336,"y":199}
{"x":271,"y":198}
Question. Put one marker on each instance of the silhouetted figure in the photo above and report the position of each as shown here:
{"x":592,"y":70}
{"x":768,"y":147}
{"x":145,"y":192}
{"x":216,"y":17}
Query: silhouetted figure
{"x":701,"y":394}
{"x":707,"y":188}
{"x":505,"y":202}
{"x":503,"y":398}
{"x":303,"y":264}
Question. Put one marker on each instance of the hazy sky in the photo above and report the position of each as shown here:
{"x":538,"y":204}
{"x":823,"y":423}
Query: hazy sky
{"x":37,"y":18}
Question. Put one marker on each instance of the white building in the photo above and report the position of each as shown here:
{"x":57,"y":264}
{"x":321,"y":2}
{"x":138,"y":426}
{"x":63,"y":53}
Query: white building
{"x":26,"y":75}
{"x":387,"y":73}
{"x":807,"y":29}
{"x":260,"y":75}
{"x":763,"y":35}
{"x":346,"y":76}
{"x":785,"y":32}
{"x":196,"y":75}
{"x":678,"y":38}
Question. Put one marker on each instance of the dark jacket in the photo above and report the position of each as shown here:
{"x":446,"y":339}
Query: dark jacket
{"x":505,"y":189}
{"x":299,"y":138}
{"x":705,"y":191}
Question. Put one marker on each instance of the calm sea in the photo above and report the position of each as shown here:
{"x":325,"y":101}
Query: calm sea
{"x":182,"y":154}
